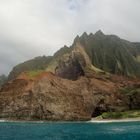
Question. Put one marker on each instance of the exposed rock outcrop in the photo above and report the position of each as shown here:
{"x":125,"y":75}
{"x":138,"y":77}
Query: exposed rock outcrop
{"x":76,"y":65}
{"x":48,"y":97}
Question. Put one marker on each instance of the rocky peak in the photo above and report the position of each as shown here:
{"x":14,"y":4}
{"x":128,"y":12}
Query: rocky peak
{"x":84,"y":35}
{"x":80,"y":54}
{"x":77,"y":38}
{"x":99,"y":33}
{"x":91,"y":35}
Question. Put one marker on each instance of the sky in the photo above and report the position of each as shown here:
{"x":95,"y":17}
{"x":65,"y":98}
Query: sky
{"x":30,"y":28}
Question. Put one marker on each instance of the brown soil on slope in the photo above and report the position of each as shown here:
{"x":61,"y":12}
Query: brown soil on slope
{"x":48,"y":97}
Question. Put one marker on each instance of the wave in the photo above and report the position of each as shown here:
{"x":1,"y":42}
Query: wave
{"x":2,"y":120}
{"x":113,"y":120}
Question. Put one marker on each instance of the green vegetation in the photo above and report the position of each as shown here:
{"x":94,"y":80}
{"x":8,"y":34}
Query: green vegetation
{"x":138,"y":58}
{"x":112,"y":54}
{"x":48,"y":63}
{"x":130,"y":90}
{"x":3,"y":79}
{"x":62,"y":51}
{"x":38,"y":63}
{"x":61,"y":54}
{"x":33,"y":74}
{"x":120,"y":115}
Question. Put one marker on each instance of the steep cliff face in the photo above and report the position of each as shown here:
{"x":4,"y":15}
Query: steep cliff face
{"x":48,"y":97}
{"x":77,"y":64}
{"x":62,"y":53}
{"x":73,"y":66}
{"x":111,"y":54}
{"x":100,"y":53}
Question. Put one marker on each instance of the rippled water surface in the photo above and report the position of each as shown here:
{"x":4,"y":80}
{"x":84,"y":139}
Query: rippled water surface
{"x":70,"y":131}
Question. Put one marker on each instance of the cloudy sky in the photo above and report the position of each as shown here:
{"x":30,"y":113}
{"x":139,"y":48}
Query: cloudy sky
{"x":30,"y":28}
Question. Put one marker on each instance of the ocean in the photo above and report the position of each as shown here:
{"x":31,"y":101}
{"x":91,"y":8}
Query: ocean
{"x":69,"y":131}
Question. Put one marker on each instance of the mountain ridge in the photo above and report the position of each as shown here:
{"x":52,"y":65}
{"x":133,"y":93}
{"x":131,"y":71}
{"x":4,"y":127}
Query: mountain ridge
{"x":96,"y":74}
{"x":108,"y":53}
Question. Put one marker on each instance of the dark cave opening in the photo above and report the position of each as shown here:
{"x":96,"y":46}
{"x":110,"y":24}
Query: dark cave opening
{"x":71,"y":70}
{"x":97,"y":112}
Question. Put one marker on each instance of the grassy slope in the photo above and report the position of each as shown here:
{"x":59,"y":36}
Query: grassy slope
{"x":38,"y":63}
{"x":120,"y":115}
{"x":33,"y":74}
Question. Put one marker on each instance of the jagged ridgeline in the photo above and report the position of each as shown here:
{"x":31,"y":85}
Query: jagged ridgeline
{"x":112,"y":54}
{"x":97,"y":52}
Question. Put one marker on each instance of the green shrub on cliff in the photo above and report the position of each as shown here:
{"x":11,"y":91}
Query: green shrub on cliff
{"x":130,"y":90}
{"x":38,"y":63}
{"x":32,"y":74}
{"x":121,"y":115}
{"x":3,"y":79}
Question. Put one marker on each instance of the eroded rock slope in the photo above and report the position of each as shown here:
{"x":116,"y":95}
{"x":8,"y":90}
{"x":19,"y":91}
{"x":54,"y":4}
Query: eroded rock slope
{"x":49,"y":97}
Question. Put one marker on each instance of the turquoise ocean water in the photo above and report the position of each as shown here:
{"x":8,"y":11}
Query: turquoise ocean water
{"x":70,"y":131}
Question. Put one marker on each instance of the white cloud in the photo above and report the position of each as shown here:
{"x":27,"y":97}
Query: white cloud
{"x":30,"y":28}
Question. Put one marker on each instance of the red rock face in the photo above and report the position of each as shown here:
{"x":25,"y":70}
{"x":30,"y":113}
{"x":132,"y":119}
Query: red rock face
{"x":48,"y":97}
